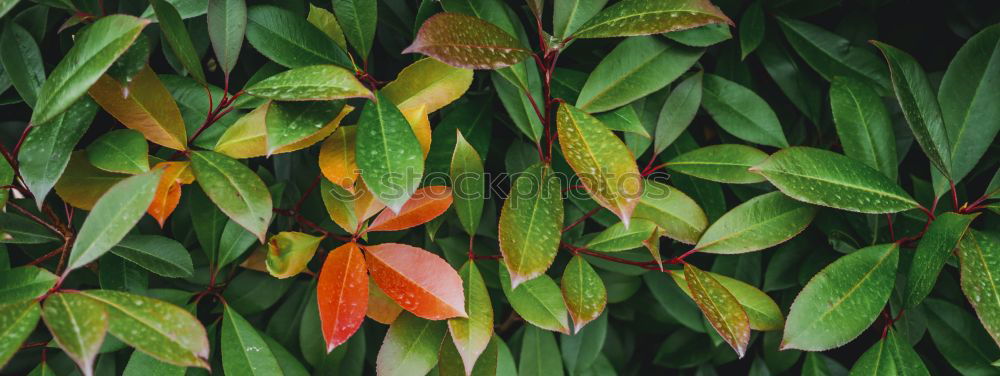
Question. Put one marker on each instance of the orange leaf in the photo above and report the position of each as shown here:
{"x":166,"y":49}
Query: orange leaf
{"x":168,"y":191}
{"x":426,"y":204}
{"x":381,"y":307}
{"x":419,"y":281}
{"x":342,"y":294}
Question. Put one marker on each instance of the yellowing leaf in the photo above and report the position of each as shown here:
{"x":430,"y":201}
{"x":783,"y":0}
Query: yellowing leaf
{"x":82,"y":183}
{"x":530,"y":223}
{"x":428,"y":82}
{"x":467,"y":42}
{"x":583,"y":291}
{"x":721,"y":308}
{"x":247,"y":138}
{"x":149,"y":108}
{"x":336,"y":157}
{"x":288,"y":253}
{"x":421,"y":125}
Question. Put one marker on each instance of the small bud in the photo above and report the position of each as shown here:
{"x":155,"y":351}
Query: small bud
{"x":288,"y":253}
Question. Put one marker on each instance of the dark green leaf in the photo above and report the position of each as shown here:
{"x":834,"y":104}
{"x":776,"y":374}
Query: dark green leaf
{"x":863,"y":124}
{"x":678,"y":111}
{"x":177,"y":37}
{"x":761,"y":222}
{"x":22,"y":62}
{"x":122,"y":151}
{"x":831,"y":55}
{"x":236,"y":190}
{"x":569,"y":15}
{"x":161,"y":255}
{"x":539,"y":353}
{"x":290,"y":40}
{"x":388,"y":153}
{"x":25,"y":282}
{"x":244,"y":352}
{"x":742,"y":112}
{"x":934,"y":249}
{"x":751,"y":29}
{"x":227,"y":23}
{"x":358,"y":19}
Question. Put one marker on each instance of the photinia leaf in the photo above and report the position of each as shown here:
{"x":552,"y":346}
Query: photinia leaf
{"x":863,"y":125}
{"x":539,"y":353}
{"x":419,"y":281}
{"x":420,"y":123}
{"x":82,"y":184}
{"x":311,"y":83}
{"x":233,"y":243}
{"x":751,"y":29}
{"x":720,"y":307}
{"x":342,"y":294}
{"x":22,"y":62}
{"x":935,"y":248}
{"x":582,"y":352}
{"x":112,"y":217}
{"x":761,"y":310}
{"x":99,"y":46}
{"x":149,"y":108}
{"x":890,"y":356}
{"x":25,"y":282}
{"x":617,"y":237}
{"x":602,"y":162}
{"x":122,"y":151}
{"x":450,"y":360}
{"x":288,"y":39}
{"x":43,"y":369}
{"x":358,"y":19}
{"x":960,"y":338}
{"x":831,"y":55}
{"x":538,"y":301}
{"x":639,"y":17}
{"x":15,"y":229}
{"x":978,"y":259}
{"x":678,"y":111}
{"x":795,"y":80}
{"x":244,"y":351}
{"x":842,"y":300}
{"x":46,"y":151}
{"x":247,"y":137}
{"x":340,"y":205}
{"x":410,"y":347}
{"x":289,"y":252}
{"x":826,"y":178}
{"x":725,"y":163}
{"x":472,"y":335}
{"x":426,"y":204}
{"x":674,"y":212}
{"x":701,"y":36}
{"x":742,"y":112}
{"x":381,"y":307}
{"x":162,"y":330}
{"x":161,"y":255}
{"x":920,"y":107}
{"x":168,"y":190}
{"x":583,"y":291}
{"x":624,"y":119}
{"x":761,"y":222}
{"x":78,"y":325}
{"x":569,"y":15}
{"x":131,"y":62}
{"x":467,"y":42}
{"x":177,"y":37}
{"x":530,"y":221}
{"x":390,"y":154}
{"x":327,"y":23}
{"x":289,"y":123}
{"x":428,"y":82}
{"x":6,"y":178}
{"x":336,"y":157}
{"x":17,"y":321}
{"x":236,"y":189}
{"x":227,"y":24}
{"x":469,"y":184}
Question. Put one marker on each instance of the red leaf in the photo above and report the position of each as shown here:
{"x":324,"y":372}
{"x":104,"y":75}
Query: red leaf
{"x":419,"y":281}
{"x":342,"y":294}
{"x":426,"y":204}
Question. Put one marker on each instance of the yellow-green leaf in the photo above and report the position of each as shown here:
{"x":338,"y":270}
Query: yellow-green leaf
{"x":761,"y":222}
{"x":78,"y":325}
{"x":674,"y":212}
{"x":762,"y":311}
{"x":472,"y":335}
{"x":583,"y":291}
{"x":726,"y":163}
{"x":428,"y":82}
{"x":467,"y":42}
{"x":644,"y":17}
{"x":468,"y":184}
{"x":289,"y":252}
{"x":17,"y":321}
{"x":247,"y":138}
{"x":721,"y":308}
{"x":148,"y":108}
{"x":530,"y":223}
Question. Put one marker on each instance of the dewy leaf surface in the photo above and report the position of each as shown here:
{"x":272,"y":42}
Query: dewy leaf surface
{"x":244,"y":351}
{"x":472,"y":335}
{"x":17,"y":321}
{"x":46,"y":151}
{"x":149,"y":108}
{"x":78,"y":325}
{"x":761,"y":222}
{"x":640,"y":17}
{"x":584,"y":292}
{"x":419,"y":281}
{"x":236,"y":189}
{"x":935,"y":248}
{"x":674,"y":212}
{"x":720,"y":307}
{"x":342,"y":294}
{"x":467,"y":42}
{"x":725,"y":163}
{"x":227,"y":24}
{"x":832,"y":55}
{"x":123,"y":151}
{"x":761,"y":310}
{"x":469,"y":184}
{"x":426,"y":204}
{"x":311,"y":83}
{"x":863,"y":124}
{"x":530,"y":223}
{"x":388,"y":153}
{"x":428,"y":82}
{"x":979,"y":256}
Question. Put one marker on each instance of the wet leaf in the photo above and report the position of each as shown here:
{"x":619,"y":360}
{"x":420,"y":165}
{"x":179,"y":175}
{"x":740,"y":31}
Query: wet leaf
{"x":472,"y":335}
{"x":761,"y":222}
{"x":467,"y":42}
{"x":583,"y":291}
{"x":236,"y":189}
{"x":538,"y":301}
{"x":122,"y":151}
{"x":244,"y":351}
{"x":726,"y":163}
{"x":426,"y":204}
{"x":311,"y":83}
{"x":149,"y":108}
{"x":721,"y":308}
{"x":17,"y":321}
{"x":935,"y":248}
{"x":78,"y":325}
{"x":388,"y":153}
{"x":469,"y":184}
{"x":289,"y":252}
{"x":978,"y":259}
{"x":419,"y":281}
{"x":227,"y":24}
{"x":639,"y":17}
{"x":674,"y":212}
{"x":530,"y":223}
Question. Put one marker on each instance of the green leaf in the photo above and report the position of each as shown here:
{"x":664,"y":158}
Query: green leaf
{"x":15,"y":229}
{"x":920,"y":107}
{"x":761,"y":310}
{"x":726,"y":163}
{"x":131,"y":62}
{"x":6,"y":179}
{"x":236,"y":189}
{"x":617,"y":237}
{"x":582,"y":351}
{"x":162,"y":330}
{"x":624,"y":119}
{"x":678,"y":215}
{"x":161,"y":255}
{"x":186,"y":8}
{"x":639,"y":17}
{"x":244,"y":352}
{"x":842,"y":300}
{"x":22,"y":62}
{"x":468,"y":184}
{"x":327,"y":23}
{"x":99,"y":46}
{"x":826,"y":178}
{"x":751,"y":29}
{"x":140,"y":364}
{"x":467,"y":42}
{"x":78,"y":325}
{"x":539,"y":353}
{"x":890,"y":356}
{"x":799,"y":84}
{"x":43,"y":369}
{"x":6,"y":6}
{"x":227,"y":24}
{"x":742,"y":112}
{"x":831,"y":55}
{"x":358,"y":19}
{"x":863,"y":125}
{"x":450,"y":362}
{"x":112,"y":217}
{"x":176,"y":35}
{"x":25,"y":282}
{"x":935,"y":248}
{"x":288,"y":39}
{"x":678,"y":111}
{"x":960,"y":338}
{"x":46,"y":151}
{"x":569,"y":15}
{"x":637,"y":67}
{"x":968,"y":89}
{"x":17,"y":321}
{"x":701,"y":36}
{"x":978,"y":257}
{"x":720,"y":307}
{"x":530,"y":223}
{"x":388,"y":153}
{"x":122,"y":151}
{"x":311,"y":83}
{"x":291,"y":122}
{"x":289,"y":252}
{"x":600,"y":160}
{"x":472,"y":335}
{"x":538,"y":301}
{"x":761,"y":222}
{"x":584,"y":292}
{"x":410,"y":347}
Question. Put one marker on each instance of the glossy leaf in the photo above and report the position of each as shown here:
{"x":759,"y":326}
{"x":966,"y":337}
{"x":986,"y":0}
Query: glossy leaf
{"x":674,"y":212}
{"x":602,"y":162}
{"x":638,"y":17}
{"x":960,"y":338}
{"x":410,"y":347}
{"x":82,"y":184}
{"x":538,"y":301}
{"x":450,"y":360}
{"x":624,"y":119}
{"x":720,"y":307}
{"x":583,"y":291}
{"x":428,"y":82}
{"x":311,"y":83}
{"x":419,"y":281}
{"x":177,"y":37}
{"x":358,"y":19}
{"x":236,"y":190}
{"x":342,"y":294}
{"x":336,"y":157}
{"x":472,"y":335}
{"x":890,"y":356}
{"x":289,"y":123}
{"x":751,"y":29}
{"x":247,"y":137}
{"x":289,"y":252}
{"x":826,"y":178}
{"x":17,"y":321}
{"x":122,"y":151}
{"x":22,"y":62}
{"x":46,"y":151}
{"x":161,"y":255}
{"x":389,"y":153}
{"x":678,"y":111}
{"x":381,"y":307}
{"x":761,"y":222}
{"x":149,"y":108}
{"x":326,"y":22}
{"x":469,"y":184}
{"x":569,"y":15}
{"x":168,"y":190}
{"x":935,"y":248}
{"x":467,"y":42}
{"x":244,"y":351}
{"x":863,"y":125}
{"x":978,"y":259}
{"x":25,"y":282}
{"x":742,"y":112}
{"x":761,"y":310}
{"x":617,"y":237}
{"x":726,"y":163}
{"x":288,"y":39}
{"x":426,"y":204}
{"x":539,"y":353}
{"x":94,"y":51}
{"x":842,"y":300}
{"x":78,"y":325}
{"x":112,"y":217}
{"x":530,"y":223}
{"x":227,"y":24}
{"x":831,"y":55}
